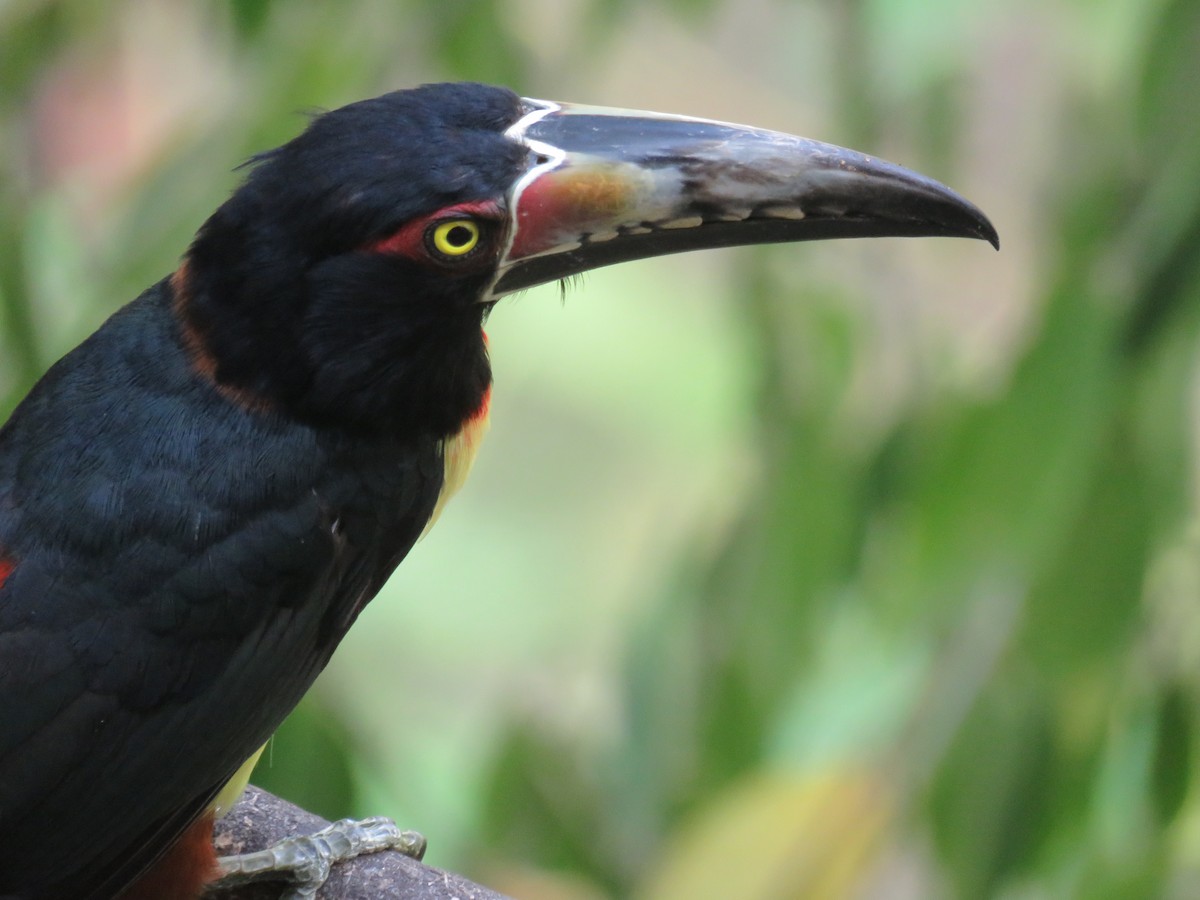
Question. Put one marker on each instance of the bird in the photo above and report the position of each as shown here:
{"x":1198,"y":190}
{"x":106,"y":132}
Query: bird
{"x":198,"y":501}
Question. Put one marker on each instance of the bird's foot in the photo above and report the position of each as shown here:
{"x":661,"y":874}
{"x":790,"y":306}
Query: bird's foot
{"x":306,"y":860}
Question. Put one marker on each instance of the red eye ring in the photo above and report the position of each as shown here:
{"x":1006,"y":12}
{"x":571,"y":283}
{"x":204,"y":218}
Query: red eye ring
{"x":450,"y":236}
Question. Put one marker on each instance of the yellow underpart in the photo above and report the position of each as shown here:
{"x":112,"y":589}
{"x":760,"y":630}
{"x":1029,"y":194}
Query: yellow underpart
{"x":233,"y":788}
{"x":458,"y":455}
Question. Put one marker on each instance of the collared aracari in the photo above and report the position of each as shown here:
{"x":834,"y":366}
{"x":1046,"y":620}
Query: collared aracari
{"x":197,"y":502}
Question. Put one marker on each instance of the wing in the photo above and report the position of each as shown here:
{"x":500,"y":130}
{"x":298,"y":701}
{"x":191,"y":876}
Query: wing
{"x":176,"y":573}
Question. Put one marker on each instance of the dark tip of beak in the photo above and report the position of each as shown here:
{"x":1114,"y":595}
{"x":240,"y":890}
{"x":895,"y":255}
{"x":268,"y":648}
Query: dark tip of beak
{"x":892,"y":194}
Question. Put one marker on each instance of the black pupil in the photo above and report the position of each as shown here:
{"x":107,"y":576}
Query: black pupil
{"x":459,"y":236}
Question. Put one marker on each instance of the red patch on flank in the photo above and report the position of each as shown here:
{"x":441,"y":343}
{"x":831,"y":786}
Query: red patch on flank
{"x":6,"y":568}
{"x":409,"y":240}
{"x":183,"y":871}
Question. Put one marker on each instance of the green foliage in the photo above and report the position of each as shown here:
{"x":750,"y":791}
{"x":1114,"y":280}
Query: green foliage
{"x":1173,"y":743}
{"x":989,"y":803}
{"x":953,"y":624}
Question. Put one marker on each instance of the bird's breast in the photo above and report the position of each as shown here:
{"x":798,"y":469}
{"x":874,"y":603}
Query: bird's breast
{"x":458,"y":455}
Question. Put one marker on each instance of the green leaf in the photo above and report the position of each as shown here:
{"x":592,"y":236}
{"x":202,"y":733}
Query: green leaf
{"x":1166,"y":103}
{"x":1084,"y":607}
{"x":541,"y":807}
{"x":989,"y":798}
{"x":472,"y":41}
{"x":250,"y":17}
{"x":1000,"y":486}
{"x":1173,"y":740}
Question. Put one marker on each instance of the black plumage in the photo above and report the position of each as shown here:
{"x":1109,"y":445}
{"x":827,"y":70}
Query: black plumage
{"x":191,"y":538}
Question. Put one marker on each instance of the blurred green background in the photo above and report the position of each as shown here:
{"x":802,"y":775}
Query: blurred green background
{"x":836,"y":570}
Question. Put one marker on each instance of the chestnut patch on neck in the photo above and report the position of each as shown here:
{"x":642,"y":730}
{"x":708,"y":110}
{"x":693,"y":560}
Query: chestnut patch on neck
{"x":202,"y":361}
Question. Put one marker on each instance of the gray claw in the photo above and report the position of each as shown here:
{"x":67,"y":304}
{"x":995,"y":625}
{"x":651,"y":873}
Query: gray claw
{"x":306,"y":860}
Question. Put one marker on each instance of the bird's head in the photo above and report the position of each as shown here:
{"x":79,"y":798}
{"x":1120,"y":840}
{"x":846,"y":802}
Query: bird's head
{"x":367,"y":251}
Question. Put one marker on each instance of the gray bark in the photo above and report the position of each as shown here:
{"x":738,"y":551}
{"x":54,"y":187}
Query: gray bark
{"x":260,"y":819}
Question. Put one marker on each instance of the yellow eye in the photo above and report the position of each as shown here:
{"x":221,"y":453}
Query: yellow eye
{"x":455,"y":237}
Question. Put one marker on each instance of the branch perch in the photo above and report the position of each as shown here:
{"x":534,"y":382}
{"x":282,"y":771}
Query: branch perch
{"x":259,"y":819}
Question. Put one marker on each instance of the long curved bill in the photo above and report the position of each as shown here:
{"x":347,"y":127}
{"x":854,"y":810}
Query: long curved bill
{"x":610,"y":185}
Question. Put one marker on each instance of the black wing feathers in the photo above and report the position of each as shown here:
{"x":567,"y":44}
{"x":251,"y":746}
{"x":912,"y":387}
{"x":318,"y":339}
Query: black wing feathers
{"x":172,"y":549}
